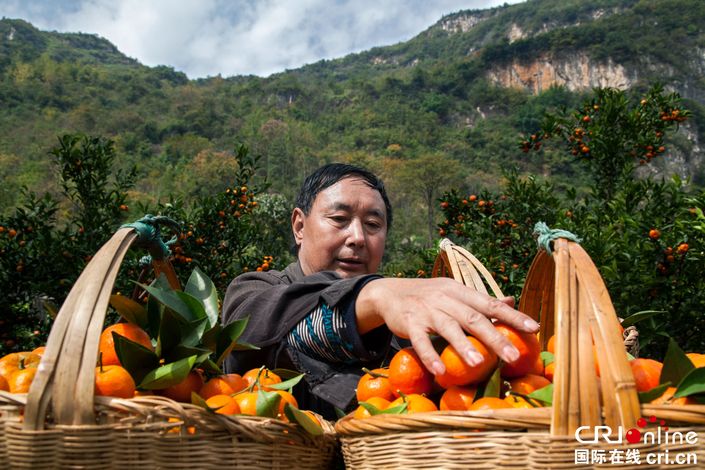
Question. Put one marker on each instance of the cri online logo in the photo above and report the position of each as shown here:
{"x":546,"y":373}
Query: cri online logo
{"x":635,"y":435}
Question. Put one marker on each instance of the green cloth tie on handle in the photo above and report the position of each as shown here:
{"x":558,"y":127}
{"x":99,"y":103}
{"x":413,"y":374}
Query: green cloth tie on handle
{"x":149,"y":235}
{"x":546,"y":235}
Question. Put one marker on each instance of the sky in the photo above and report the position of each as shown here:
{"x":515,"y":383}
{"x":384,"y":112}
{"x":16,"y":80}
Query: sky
{"x":239,"y":37}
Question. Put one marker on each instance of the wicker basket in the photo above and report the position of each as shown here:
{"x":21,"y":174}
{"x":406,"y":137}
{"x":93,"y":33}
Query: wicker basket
{"x":61,"y":424}
{"x":565,"y":293}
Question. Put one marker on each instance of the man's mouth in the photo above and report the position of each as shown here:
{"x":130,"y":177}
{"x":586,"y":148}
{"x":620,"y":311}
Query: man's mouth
{"x":350,"y":261}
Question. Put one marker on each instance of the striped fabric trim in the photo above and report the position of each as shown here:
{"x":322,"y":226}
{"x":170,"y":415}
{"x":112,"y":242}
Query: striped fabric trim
{"x":321,"y":335}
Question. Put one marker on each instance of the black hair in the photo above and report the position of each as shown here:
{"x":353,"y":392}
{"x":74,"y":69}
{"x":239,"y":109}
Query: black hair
{"x":327,"y":175}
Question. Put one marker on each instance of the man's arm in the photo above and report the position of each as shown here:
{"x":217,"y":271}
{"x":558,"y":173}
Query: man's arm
{"x":414,"y":308}
{"x":275,"y":305}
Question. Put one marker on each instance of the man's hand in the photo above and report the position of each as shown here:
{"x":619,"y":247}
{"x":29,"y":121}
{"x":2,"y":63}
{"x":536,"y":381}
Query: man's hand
{"x":414,"y":308}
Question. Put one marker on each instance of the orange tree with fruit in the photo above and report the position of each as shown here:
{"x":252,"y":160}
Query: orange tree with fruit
{"x":646,"y":236}
{"x":46,"y":242}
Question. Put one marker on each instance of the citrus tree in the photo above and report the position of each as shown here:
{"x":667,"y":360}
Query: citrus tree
{"x":46,"y":242}
{"x":644,"y":235}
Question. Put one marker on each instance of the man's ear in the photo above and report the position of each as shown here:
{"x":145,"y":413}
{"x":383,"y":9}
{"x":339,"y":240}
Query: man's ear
{"x":297,"y":225}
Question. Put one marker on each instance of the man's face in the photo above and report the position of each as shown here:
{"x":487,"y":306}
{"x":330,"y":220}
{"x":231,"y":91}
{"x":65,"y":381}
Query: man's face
{"x":345,"y":230}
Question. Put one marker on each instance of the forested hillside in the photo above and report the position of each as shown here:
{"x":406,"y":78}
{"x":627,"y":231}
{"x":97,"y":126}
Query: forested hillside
{"x":445,"y":109}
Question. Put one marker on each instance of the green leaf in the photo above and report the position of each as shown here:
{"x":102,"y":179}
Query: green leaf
{"x":297,"y":416}
{"x":544,"y":395}
{"x":676,"y":364}
{"x":244,"y":347}
{"x":175,"y":300}
{"x":228,"y":337}
{"x":371,"y":408}
{"x":168,"y":374}
{"x":210,"y":337}
{"x":339,"y":413}
{"x":198,"y":400}
{"x":547,"y":357}
{"x":192,"y":332}
{"x":493,"y":385}
{"x":202,"y":288}
{"x":155,"y":311}
{"x":130,"y":310}
{"x":135,"y":358}
{"x":650,"y":395}
{"x":268,"y":403}
{"x":210,"y":367}
{"x":395,"y":410}
{"x":182,"y":351}
{"x":692,"y":383}
{"x":287,"y":384}
{"x":169,"y":332}
{"x":639,"y":316}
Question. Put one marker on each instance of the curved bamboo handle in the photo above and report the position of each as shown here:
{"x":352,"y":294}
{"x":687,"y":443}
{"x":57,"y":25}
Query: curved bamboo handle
{"x":464,"y":268}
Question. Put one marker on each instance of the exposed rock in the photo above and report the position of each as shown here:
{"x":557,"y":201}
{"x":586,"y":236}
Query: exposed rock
{"x":460,"y":23}
{"x":575,"y":73}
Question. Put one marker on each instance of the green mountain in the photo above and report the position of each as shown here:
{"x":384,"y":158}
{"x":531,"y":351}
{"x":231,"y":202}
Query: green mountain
{"x":444,"y":109}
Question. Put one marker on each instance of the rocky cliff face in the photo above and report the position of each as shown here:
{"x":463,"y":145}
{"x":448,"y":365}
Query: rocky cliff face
{"x":575,"y":72}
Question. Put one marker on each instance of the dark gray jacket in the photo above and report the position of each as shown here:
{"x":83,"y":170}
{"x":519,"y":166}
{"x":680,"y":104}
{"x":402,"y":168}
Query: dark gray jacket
{"x":275,"y":301}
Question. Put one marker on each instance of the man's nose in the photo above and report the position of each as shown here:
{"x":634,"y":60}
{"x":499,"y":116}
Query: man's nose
{"x":356,"y":233}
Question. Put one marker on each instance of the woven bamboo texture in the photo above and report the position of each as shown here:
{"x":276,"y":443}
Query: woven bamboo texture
{"x":565,"y":293}
{"x":61,"y":424}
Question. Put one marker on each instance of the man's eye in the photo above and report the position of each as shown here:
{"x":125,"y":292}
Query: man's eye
{"x":339,"y":219}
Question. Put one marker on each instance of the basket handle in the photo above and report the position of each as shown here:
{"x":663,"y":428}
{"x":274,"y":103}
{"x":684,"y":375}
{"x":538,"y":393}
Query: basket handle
{"x":464,"y":268}
{"x":66,"y":374}
{"x":567,"y":289}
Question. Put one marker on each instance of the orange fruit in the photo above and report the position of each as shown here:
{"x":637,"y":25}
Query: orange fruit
{"x":114,"y":381}
{"x":489,"y":403}
{"x":182,"y":390}
{"x":457,"y":398}
{"x":517,"y":402}
{"x":415,"y":403}
{"x":538,"y":367}
{"x":378,"y":402}
{"x":549,"y":371}
{"x":3,"y":383}
{"x":458,"y":372}
{"x":647,"y":373}
{"x":222,"y":385}
{"x":408,"y":375}
{"x":551,"y":345}
{"x":286,"y":398}
{"x":39,"y":350}
{"x":529,"y":350}
{"x":528,"y":383}
{"x":21,"y":379}
{"x":225,"y":404}
{"x":374,"y":384}
{"x":130,"y":331}
{"x":247,"y":401}
{"x":263,"y":377}
{"x":697,"y":359}
{"x":13,"y":361}
{"x":667,"y":399}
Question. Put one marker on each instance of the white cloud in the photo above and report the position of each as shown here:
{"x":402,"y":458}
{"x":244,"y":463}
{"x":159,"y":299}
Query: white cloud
{"x":210,"y":37}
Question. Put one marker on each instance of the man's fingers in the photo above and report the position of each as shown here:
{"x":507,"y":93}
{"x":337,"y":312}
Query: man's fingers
{"x":500,"y":310}
{"x":483,"y":329}
{"x":428,"y":355}
{"x":451,"y":330}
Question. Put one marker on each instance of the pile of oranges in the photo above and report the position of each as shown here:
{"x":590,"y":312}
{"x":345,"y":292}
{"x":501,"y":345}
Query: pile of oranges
{"x":407,"y":386}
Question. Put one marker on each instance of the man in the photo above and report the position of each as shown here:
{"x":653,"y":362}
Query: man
{"x":329,"y":314}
